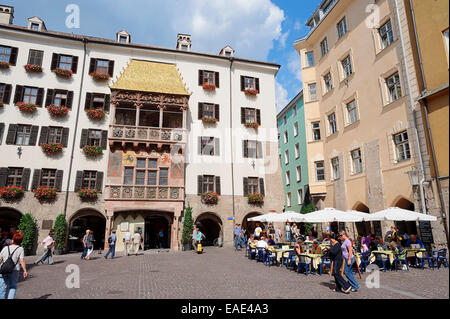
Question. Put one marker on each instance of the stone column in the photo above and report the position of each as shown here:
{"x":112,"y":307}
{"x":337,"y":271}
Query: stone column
{"x":109,"y":227}
{"x":184,"y":109}
{"x":112,"y":113}
{"x":138,"y":113}
{"x":161,"y":115}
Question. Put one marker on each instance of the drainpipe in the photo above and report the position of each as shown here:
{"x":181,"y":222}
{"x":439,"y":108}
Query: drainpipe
{"x":427,"y":124}
{"x":411,"y":101}
{"x":85,"y":41}
{"x":231,"y":141}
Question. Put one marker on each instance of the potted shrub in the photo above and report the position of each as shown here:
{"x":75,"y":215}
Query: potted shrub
{"x":255,"y":199}
{"x":4,"y":65}
{"x":251,"y":92}
{"x":33,"y":68}
{"x":67,"y":74}
{"x":45,"y":194}
{"x":10,"y":193}
{"x":209,"y":87}
{"x":88,"y":194}
{"x":209,"y":120}
{"x":188,"y":228}
{"x":253,"y":125}
{"x":210,"y":198}
{"x":96,"y":114}
{"x":99,"y":76}
{"x":93,"y":151}
{"x":1,"y":103}
{"x":60,"y":234}
{"x":57,"y":110}
{"x":26,"y":107}
{"x":28,"y":228}
{"x":52,"y":148}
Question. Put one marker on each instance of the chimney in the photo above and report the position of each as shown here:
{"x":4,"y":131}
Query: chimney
{"x":6,"y":14}
{"x":184,"y":42}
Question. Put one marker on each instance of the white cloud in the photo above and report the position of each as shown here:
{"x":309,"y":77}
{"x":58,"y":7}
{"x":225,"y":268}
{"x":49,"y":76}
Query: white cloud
{"x":281,"y":95}
{"x":250,"y":26}
{"x":283,"y":39}
{"x":294,"y":65}
{"x":298,"y":25}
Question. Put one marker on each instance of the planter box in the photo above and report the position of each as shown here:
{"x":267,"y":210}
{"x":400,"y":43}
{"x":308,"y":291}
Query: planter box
{"x":67,"y":74}
{"x":57,"y":111}
{"x":100,"y":77}
{"x":31,"y":68}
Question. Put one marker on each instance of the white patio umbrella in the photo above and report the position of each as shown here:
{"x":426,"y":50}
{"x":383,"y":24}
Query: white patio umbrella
{"x":399,"y":214}
{"x":261,"y":218}
{"x":329,"y":215}
{"x":291,"y":217}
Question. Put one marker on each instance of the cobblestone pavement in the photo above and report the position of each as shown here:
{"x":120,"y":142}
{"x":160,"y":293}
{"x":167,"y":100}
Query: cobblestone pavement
{"x":220,"y":273}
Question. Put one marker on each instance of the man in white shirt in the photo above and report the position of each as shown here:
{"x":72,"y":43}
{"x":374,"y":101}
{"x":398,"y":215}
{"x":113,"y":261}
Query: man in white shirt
{"x":126,"y":241}
{"x":262,"y":243}
{"x":136,"y":239}
{"x":258,"y":231}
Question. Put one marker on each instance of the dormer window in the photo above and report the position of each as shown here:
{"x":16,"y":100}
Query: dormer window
{"x":123,"y":39}
{"x":35,"y":26}
{"x":184,"y":47}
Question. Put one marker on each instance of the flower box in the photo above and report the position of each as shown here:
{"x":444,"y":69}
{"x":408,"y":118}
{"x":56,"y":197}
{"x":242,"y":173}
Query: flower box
{"x":1,"y":103}
{"x":33,"y":68}
{"x":252,"y":125}
{"x":52,"y":148}
{"x":100,"y":76}
{"x":210,"y":198}
{"x":96,"y":114}
{"x":4,"y":65}
{"x":45,"y":193}
{"x":57,"y":111}
{"x":209,"y":87}
{"x":67,"y":74}
{"x":251,"y":92}
{"x":88,"y":194}
{"x":93,"y":151}
{"x":26,"y":108}
{"x":255,"y":199}
{"x":208,"y":120}
{"x":11,"y":192}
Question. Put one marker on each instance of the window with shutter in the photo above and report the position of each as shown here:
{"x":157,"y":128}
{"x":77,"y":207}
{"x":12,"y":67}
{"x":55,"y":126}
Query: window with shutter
{"x":35,"y":57}
{"x":5,"y":93}
{"x":14,"y":176}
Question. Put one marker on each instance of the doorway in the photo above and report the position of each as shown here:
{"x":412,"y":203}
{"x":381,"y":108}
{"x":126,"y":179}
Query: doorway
{"x":78,"y":226}
{"x":211,"y":226}
{"x":9,"y":221}
{"x":154,"y":228}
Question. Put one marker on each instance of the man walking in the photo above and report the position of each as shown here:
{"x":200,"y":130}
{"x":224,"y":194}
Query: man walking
{"x":112,"y":245}
{"x":136,"y":241}
{"x":126,"y":242}
{"x":237,"y":237}
{"x":194,"y":237}
{"x":48,"y":243}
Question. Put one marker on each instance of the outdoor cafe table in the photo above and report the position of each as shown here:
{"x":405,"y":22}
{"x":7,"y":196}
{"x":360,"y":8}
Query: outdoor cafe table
{"x":413,"y":252}
{"x":316,"y":258}
{"x":280,"y":252}
{"x":389,"y":253}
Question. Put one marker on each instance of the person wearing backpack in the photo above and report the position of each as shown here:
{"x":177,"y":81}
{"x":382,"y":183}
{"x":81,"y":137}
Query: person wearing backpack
{"x":9,"y":267}
{"x":112,"y":245}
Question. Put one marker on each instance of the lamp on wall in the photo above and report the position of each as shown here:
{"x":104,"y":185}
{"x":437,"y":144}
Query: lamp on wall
{"x":414,"y":176}
{"x":19,"y":151}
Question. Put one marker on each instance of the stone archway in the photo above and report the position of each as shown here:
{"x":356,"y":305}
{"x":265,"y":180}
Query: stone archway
{"x":249,"y":227}
{"x":363,"y":228}
{"x":405,"y":227}
{"x":211,"y":226}
{"x":83,"y":220}
{"x":9,"y":219}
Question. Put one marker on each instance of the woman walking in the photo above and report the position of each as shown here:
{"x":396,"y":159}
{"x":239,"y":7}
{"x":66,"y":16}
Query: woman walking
{"x":10,"y":279}
{"x":48,"y":243}
{"x":347,"y":253}
{"x":335,"y":255}
{"x":90,"y":244}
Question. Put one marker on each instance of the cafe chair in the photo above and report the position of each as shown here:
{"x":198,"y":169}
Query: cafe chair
{"x":365,"y":261}
{"x":422,"y":257}
{"x":325,"y":261}
{"x":251,"y":253}
{"x":290,"y":259}
{"x":382,"y":259}
{"x":261,"y":255}
{"x":441,"y":257}
{"x":304,"y":262}
{"x":400,"y":259}
{"x":270,"y":258}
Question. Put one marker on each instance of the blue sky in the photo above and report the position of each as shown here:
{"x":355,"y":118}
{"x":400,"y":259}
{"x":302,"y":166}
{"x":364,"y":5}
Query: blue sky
{"x":256,"y":29}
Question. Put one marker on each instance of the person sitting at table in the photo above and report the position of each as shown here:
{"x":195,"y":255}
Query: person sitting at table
{"x":298,"y":248}
{"x":374,"y":242}
{"x":364,"y":246}
{"x":271,"y":242}
{"x":252,"y":242}
{"x":262,"y":243}
{"x":316,"y":250}
{"x":414,"y":242}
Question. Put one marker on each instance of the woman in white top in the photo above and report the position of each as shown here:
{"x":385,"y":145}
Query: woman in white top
{"x":10,"y":280}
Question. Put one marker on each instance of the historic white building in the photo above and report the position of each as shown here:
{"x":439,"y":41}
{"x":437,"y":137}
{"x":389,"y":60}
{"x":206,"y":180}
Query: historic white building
{"x":175,"y":128}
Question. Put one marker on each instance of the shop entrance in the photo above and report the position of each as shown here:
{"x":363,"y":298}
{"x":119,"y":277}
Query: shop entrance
{"x":82,"y":221}
{"x":211,"y":226}
{"x":156,"y":226}
{"x":9,"y":221}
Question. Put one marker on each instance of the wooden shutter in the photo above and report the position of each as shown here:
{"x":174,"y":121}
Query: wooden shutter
{"x":11,"y":136}
{"x":18,"y":96}
{"x":92,"y":65}
{"x":218,"y":190}
{"x":36,"y":179}
{"x":59,"y":180}
{"x":111,"y":68}
{"x":55,"y":58}
{"x":25,"y":178}
{"x":242,"y":83}
{"x":243,"y":115}
{"x":49,"y":99}
{"x":84,"y":137}
{"x":217,"y":147}
{"x":258,"y":116}
{"x":245,"y":148}
{"x":69,"y":99}
{"x":74,"y":64}
{"x":107,"y":102}
{"x":87,"y":104}
{"x":78,"y":180}
{"x":7,"y":94}
{"x":104,"y":140}
{"x":99,"y":181}
{"x":245,"y":186}
{"x":261,"y":186}
{"x":34,"y":135}
{"x":13,"y":57}
{"x":217,"y":79}
{"x":259,"y":150}
{"x":40,"y":97}
{"x":3,"y":176}
{"x":200,"y":77}
{"x":65,"y":137}
{"x":44,"y":135}
{"x":200,"y":151}
{"x":199,"y":184}
{"x":2,"y":128}
{"x":200,"y":111}
{"x":257,"y":85}
{"x":217,"y":111}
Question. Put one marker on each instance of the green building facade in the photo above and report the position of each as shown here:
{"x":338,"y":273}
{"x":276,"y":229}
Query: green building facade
{"x":293,"y":154}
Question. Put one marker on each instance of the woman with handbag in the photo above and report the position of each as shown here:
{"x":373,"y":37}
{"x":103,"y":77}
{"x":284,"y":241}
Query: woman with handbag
{"x":10,"y":257}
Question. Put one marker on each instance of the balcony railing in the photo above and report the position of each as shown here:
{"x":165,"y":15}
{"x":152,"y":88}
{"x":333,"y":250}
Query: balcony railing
{"x":144,"y":193}
{"x":147,"y":134}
